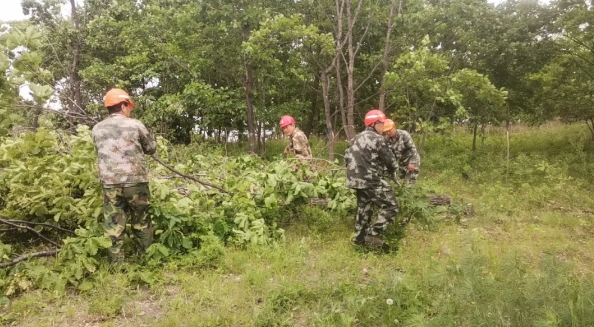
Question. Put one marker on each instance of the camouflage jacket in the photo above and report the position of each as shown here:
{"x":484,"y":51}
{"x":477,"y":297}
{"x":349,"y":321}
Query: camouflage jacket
{"x":298,"y":145}
{"x":366,"y":159}
{"x":121,"y":143}
{"x":404,"y":148}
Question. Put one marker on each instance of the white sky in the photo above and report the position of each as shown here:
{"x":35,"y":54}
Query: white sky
{"x":11,"y":10}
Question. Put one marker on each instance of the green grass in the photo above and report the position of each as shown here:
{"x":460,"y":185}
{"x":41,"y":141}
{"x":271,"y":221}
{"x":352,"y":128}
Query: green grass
{"x":524,"y":259}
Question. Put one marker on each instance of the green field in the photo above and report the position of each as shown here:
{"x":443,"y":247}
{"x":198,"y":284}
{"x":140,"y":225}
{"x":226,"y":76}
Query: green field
{"x":524,"y":259}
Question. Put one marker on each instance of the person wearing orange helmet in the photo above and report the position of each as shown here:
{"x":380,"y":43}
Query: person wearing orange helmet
{"x":121,"y":143}
{"x":298,"y":143}
{"x":405,"y":151}
{"x":366,"y":159}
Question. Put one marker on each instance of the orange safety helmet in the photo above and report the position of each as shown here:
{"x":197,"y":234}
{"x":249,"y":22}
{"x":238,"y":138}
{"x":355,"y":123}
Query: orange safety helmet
{"x":389,"y":124}
{"x":286,"y":121}
{"x":373,"y":116}
{"x":117,"y":96}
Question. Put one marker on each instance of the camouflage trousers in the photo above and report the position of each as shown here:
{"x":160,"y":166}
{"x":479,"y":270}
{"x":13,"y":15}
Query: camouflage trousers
{"x":382,"y":197}
{"x":121,"y":202}
{"x":408,"y":176}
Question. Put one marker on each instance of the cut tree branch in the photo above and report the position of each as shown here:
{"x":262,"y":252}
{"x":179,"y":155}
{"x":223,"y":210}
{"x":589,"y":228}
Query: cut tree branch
{"x":7,"y":222}
{"x":157,"y":159}
{"x":39,"y":224}
{"x":25,"y":257}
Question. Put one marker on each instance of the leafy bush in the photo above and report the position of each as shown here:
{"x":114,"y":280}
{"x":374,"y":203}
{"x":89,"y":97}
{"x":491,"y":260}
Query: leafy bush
{"x":50,"y":180}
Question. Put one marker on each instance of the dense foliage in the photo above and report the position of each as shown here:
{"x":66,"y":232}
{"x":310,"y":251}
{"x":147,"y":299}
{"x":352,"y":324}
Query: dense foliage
{"x":225,"y":68}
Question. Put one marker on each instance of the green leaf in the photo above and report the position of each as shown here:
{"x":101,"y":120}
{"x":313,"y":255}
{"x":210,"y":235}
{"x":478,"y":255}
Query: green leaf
{"x":85,"y":286}
{"x":97,"y":212}
{"x":187,"y":243}
{"x":164,"y":251}
{"x":270,"y":201}
{"x":184,"y":203}
{"x":102,"y":242}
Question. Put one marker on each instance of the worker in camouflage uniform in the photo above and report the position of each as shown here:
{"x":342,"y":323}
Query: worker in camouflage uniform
{"x":366,"y":158}
{"x":405,"y":151}
{"x":298,"y":144}
{"x":121,"y":143}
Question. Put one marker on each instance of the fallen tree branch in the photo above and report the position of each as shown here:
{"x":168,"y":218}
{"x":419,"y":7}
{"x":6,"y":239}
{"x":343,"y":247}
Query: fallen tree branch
{"x":6,"y":222}
{"x":177,"y":176}
{"x":312,"y":159}
{"x":25,"y":257}
{"x":440,"y":200}
{"x":39,"y":224}
{"x":188,"y":176}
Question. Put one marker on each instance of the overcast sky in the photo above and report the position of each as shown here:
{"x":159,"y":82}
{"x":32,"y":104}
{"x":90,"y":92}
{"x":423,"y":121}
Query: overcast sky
{"x":11,"y":10}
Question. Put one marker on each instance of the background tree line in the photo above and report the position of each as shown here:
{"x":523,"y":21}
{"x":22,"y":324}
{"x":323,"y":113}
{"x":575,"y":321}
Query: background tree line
{"x":221,"y":67}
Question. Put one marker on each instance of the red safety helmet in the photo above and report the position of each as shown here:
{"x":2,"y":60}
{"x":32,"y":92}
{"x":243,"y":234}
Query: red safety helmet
{"x":373,"y":116}
{"x":286,"y":121}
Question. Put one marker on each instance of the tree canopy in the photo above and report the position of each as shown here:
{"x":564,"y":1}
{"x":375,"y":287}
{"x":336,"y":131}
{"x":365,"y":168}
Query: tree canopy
{"x":217,"y":68}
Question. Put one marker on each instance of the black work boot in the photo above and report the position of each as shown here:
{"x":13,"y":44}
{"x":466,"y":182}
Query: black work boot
{"x":374,"y":240}
{"x":358,"y":240}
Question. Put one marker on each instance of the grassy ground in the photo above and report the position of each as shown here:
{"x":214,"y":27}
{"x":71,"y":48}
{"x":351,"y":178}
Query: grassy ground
{"x":524,"y":259}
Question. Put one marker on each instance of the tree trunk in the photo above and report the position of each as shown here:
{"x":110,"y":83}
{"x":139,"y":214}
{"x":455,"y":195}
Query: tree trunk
{"x":263,"y":139}
{"x":422,"y":142}
{"x":341,"y":94}
{"x":350,"y":76}
{"x":382,"y":95}
{"x":483,"y":135}
{"x":249,"y":93}
{"x":77,"y":104}
{"x":591,"y":127}
{"x":36,"y":114}
{"x":259,"y":138}
{"x":338,"y":69}
{"x":474,"y":137}
{"x":334,"y":114}
{"x":240,"y":131}
{"x":328,"y":116}
{"x":507,"y":161}
{"x":314,"y":107}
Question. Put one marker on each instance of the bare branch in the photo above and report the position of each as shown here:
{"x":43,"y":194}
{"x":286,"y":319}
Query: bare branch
{"x":6,"y":222}
{"x":580,"y":66}
{"x":157,"y":159}
{"x":351,"y":23}
{"x":354,"y":20}
{"x":39,"y":224}
{"x":362,"y":38}
{"x":368,"y":76}
{"x":26,"y":257}
{"x":386,"y":52}
{"x":580,"y":43}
